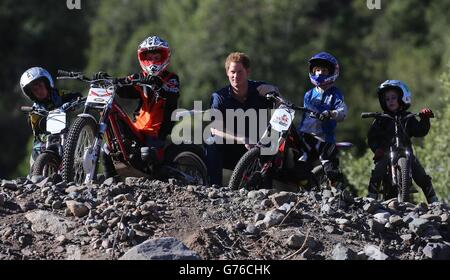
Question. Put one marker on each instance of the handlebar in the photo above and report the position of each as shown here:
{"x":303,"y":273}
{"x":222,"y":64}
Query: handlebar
{"x":275,"y":96}
{"x":366,"y":115}
{"x":26,"y":109}
{"x":120,"y":82}
{"x":43,"y":112}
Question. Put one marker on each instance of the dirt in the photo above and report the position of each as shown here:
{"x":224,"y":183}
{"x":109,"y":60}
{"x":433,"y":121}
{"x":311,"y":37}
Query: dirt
{"x":214,"y":223}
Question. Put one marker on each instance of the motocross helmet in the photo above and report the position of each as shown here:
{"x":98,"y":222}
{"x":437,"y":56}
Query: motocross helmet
{"x":400,"y":87}
{"x":34,"y":74}
{"x":154,"y":43}
{"x":323,"y":59}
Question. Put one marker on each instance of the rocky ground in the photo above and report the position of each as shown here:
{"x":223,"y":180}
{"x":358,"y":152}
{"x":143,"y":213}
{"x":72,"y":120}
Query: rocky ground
{"x":144,"y":219}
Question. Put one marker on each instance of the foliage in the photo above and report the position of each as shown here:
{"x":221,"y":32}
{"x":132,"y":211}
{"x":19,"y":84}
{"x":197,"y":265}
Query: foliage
{"x":405,"y":40}
{"x":357,"y":170}
{"x":435,"y":153}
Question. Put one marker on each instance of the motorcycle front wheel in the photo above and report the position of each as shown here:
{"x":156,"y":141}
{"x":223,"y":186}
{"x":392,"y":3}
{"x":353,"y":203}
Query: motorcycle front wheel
{"x":46,"y":164}
{"x":404,"y":179}
{"x":80,"y":138}
{"x":248,"y":172}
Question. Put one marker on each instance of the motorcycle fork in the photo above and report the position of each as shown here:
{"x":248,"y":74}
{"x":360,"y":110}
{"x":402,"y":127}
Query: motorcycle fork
{"x":393,"y":164}
{"x":95,"y":152}
{"x":116,"y":133}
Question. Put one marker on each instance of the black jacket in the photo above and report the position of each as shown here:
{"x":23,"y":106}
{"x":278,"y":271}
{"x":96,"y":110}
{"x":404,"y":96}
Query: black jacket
{"x":382,"y":130}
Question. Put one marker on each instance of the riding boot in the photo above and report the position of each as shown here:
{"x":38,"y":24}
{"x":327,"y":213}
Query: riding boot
{"x":148,"y":154}
{"x":372,"y":189}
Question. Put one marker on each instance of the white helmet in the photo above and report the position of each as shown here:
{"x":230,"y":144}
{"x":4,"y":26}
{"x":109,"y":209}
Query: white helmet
{"x":154,"y":43}
{"x":31,"y":75}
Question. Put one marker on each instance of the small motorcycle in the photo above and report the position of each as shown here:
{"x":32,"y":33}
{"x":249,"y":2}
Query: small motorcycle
{"x":256,"y":170}
{"x":398,"y":178}
{"x":103,"y":118}
{"x":50,"y":155}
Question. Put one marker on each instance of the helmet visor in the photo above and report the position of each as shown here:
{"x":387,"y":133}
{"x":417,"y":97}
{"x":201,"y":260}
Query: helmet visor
{"x":153,"y":57}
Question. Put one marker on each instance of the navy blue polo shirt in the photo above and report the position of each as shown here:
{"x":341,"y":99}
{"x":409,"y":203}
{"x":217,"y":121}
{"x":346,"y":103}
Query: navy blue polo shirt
{"x":223,"y":100}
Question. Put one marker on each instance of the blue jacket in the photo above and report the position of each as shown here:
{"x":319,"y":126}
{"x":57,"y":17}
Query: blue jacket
{"x":332,"y":100}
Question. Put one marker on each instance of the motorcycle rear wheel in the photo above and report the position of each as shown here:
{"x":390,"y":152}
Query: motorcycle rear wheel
{"x":189,"y":160}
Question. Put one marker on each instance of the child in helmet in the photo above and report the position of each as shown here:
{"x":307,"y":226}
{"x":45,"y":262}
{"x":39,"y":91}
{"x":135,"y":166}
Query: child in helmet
{"x":153,"y":115}
{"x":318,"y":133}
{"x":37,"y":85}
{"x":395,"y":98}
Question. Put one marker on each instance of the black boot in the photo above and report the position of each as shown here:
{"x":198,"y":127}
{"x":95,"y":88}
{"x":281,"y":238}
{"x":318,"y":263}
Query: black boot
{"x":148,"y":154}
{"x":372,"y":191}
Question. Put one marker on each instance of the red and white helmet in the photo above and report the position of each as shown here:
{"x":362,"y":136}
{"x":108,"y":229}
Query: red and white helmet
{"x":154,"y":43}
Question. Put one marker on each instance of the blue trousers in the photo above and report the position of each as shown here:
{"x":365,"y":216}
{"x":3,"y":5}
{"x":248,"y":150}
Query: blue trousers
{"x":219,"y":156}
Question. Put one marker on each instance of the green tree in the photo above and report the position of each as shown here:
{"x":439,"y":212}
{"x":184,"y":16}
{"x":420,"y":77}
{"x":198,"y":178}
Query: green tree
{"x":435,"y":153}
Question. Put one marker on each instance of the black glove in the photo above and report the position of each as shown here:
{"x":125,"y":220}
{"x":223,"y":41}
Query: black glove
{"x":66,"y":106}
{"x":325,"y":115}
{"x":100,"y":75}
{"x":154,"y":81}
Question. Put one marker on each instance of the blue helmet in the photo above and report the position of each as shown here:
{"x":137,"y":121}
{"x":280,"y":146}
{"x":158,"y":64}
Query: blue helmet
{"x":400,"y":87}
{"x":323,"y":59}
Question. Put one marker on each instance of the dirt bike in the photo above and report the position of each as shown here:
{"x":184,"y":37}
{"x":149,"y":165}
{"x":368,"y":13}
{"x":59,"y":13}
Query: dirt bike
{"x":49,"y":159}
{"x":398,"y":178}
{"x":256,"y":170}
{"x":104,"y":118}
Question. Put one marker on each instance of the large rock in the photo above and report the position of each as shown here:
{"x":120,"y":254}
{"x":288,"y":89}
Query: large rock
{"x":437,"y":251}
{"x":77,"y":209}
{"x":340,"y":252}
{"x":419,"y":225}
{"x":167,"y":248}
{"x":374,"y":253}
{"x":395,"y":220}
{"x":256,"y":195}
{"x":273,"y":217}
{"x":47,"y":222}
{"x":371,"y":206}
{"x":382,"y":217}
{"x":281,"y":198}
{"x":296,"y":241}
{"x":9,"y":185}
{"x":26,"y":205}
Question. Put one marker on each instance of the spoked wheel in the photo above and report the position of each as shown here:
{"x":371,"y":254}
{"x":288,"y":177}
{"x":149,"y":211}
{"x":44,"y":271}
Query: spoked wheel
{"x":80,"y":139}
{"x":249,"y":172}
{"x":187,"y":164}
{"x":46,"y":164}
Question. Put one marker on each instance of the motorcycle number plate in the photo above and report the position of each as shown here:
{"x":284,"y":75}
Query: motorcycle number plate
{"x":281,"y":120}
{"x":56,"y":122}
{"x":99,"y":96}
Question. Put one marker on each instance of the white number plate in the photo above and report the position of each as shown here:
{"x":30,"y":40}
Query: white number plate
{"x":56,"y":121}
{"x":99,"y":95}
{"x":281,"y":120}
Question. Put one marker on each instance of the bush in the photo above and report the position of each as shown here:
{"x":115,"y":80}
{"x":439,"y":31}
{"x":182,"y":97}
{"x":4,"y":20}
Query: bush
{"x":435,"y":154}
